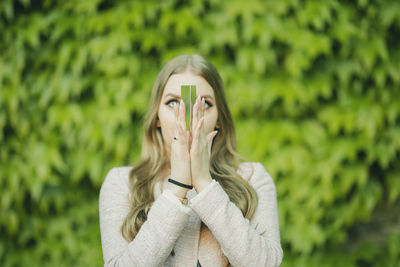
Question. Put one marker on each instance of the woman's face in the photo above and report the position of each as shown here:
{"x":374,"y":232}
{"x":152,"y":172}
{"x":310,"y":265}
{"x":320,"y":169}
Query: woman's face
{"x":171,"y":97}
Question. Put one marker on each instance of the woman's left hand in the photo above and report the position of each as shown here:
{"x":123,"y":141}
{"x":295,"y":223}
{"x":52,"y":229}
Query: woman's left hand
{"x":200,"y":149}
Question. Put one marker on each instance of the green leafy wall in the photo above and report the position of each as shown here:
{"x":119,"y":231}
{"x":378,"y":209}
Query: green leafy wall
{"x":313,"y":87}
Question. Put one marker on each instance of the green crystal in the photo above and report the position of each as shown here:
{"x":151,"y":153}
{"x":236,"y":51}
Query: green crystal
{"x":188,"y":94}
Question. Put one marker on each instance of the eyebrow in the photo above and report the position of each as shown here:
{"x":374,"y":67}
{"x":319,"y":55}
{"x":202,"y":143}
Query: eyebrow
{"x":177,"y":96}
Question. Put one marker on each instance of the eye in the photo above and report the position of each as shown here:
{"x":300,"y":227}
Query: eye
{"x":172,"y":101}
{"x":206,"y":105}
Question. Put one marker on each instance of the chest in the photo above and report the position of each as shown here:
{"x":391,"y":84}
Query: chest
{"x":196,"y":243}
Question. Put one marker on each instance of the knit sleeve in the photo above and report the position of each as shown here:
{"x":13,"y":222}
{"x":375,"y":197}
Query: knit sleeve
{"x":174,"y":199}
{"x":244,"y":242}
{"x":155,"y":239}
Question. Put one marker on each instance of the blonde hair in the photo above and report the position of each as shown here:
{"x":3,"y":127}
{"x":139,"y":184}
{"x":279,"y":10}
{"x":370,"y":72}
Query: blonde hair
{"x":224,"y":160}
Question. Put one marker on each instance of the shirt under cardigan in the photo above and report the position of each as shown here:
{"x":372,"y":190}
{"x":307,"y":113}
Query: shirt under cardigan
{"x":224,"y":238}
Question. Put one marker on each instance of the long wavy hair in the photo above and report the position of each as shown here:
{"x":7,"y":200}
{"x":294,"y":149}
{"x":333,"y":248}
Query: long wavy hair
{"x":224,"y":160}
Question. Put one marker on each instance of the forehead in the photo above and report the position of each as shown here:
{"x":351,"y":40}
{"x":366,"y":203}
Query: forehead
{"x":175,"y":82}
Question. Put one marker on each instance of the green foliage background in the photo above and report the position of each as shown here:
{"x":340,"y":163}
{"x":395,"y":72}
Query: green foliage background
{"x":313,"y":87}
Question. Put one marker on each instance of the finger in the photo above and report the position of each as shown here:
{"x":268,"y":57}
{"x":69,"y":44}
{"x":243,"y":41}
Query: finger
{"x":198,"y":129}
{"x":196,"y":133}
{"x":195,"y":137}
{"x":203,"y":129}
{"x":210,"y":139}
{"x":195,"y":113}
{"x":203,"y":104}
{"x":182,"y":120}
{"x":172,"y":133}
{"x":179,"y":132}
{"x":176,"y":112}
{"x":195,"y":119}
{"x":182,"y":134}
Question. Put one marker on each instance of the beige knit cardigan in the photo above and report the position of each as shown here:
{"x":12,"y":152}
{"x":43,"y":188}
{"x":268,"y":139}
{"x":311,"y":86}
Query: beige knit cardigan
{"x":224,"y":238}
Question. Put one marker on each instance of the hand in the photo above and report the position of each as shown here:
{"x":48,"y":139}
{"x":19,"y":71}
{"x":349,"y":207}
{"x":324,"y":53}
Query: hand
{"x":200,"y":150}
{"x":180,"y":160}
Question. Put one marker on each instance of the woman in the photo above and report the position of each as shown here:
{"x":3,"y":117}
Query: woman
{"x":150,"y":215}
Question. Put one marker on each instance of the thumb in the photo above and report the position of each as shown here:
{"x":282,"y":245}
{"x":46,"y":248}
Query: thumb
{"x":210,"y":138}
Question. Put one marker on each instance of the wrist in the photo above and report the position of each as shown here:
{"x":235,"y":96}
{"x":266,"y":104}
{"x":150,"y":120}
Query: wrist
{"x":177,"y":190}
{"x":202,"y":183}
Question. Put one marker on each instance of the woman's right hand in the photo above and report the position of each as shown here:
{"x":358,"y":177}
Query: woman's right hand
{"x":180,"y":157}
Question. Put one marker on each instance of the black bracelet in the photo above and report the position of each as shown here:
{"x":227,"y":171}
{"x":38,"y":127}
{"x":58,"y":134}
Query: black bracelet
{"x":180,"y":184}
